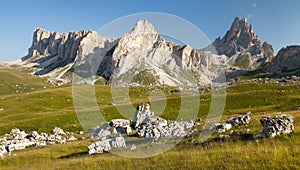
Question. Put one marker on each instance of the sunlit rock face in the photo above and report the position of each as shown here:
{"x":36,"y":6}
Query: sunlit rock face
{"x":54,"y":56}
{"x":243,"y":46}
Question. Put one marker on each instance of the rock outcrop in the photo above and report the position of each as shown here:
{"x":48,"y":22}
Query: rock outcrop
{"x":141,"y":114}
{"x":106,"y":145}
{"x":154,"y":127}
{"x":150,"y":127}
{"x":120,"y":126}
{"x":286,"y":61}
{"x":239,"y":120}
{"x":18,"y":139}
{"x":273,"y":126}
{"x":220,"y":128}
{"x":243,"y":46}
{"x":157,"y":127}
{"x":230,"y":122}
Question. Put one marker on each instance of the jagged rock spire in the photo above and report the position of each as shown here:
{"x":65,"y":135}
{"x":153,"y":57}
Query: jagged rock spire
{"x":241,"y":39}
{"x":143,"y":26}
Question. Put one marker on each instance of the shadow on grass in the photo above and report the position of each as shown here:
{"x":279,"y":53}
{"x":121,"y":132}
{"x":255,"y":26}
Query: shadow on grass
{"x":235,"y":138}
{"x":74,"y":155}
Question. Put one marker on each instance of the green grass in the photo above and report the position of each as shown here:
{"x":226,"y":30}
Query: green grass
{"x":43,"y":108}
{"x":278,"y":153}
{"x":243,"y":61}
{"x":13,"y":81}
{"x":146,"y":77}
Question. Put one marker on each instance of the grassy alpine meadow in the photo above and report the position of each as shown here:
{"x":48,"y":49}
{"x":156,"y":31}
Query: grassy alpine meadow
{"x":30,"y":103}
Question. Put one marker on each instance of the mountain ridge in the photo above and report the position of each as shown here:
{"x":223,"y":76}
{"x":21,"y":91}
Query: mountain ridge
{"x":55,"y":56}
{"x":58,"y":52}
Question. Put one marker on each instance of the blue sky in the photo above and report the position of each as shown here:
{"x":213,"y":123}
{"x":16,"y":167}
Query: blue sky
{"x":275,"y":21}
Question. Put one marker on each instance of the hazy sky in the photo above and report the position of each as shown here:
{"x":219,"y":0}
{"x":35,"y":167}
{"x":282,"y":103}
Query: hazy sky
{"x":275,"y":21}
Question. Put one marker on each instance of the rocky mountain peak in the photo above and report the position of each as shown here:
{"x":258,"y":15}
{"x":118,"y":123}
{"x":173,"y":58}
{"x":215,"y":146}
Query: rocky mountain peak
{"x":141,"y":38}
{"x":143,"y":27}
{"x":243,"y":46}
{"x":40,"y":33}
{"x":242,"y":33}
{"x":239,"y":37}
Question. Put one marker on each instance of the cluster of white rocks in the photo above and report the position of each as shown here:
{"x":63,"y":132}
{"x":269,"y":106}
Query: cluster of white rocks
{"x":238,"y":120}
{"x":106,"y":145}
{"x":157,"y":127}
{"x":273,"y":126}
{"x":108,"y":130}
{"x":18,"y":139}
{"x":108,"y":136}
{"x":220,"y":128}
{"x":154,"y":127}
{"x":101,"y":133}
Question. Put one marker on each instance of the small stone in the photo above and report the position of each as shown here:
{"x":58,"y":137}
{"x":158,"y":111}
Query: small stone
{"x":296,"y":109}
{"x":132,"y":147}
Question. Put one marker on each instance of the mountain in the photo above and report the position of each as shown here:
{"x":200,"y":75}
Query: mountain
{"x":118,"y":60}
{"x":243,"y":47}
{"x":286,"y":62}
{"x":142,"y":56}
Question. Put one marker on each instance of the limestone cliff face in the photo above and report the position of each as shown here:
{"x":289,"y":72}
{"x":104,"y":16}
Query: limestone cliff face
{"x":241,"y":41}
{"x":41,"y":44}
{"x":287,"y":61}
{"x":54,"y":54}
{"x":65,"y":46}
{"x":53,"y":43}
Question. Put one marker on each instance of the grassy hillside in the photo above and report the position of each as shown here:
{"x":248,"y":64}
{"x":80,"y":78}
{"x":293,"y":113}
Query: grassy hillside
{"x":45,"y":108}
{"x":14,"y":81}
{"x":39,"y":106}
